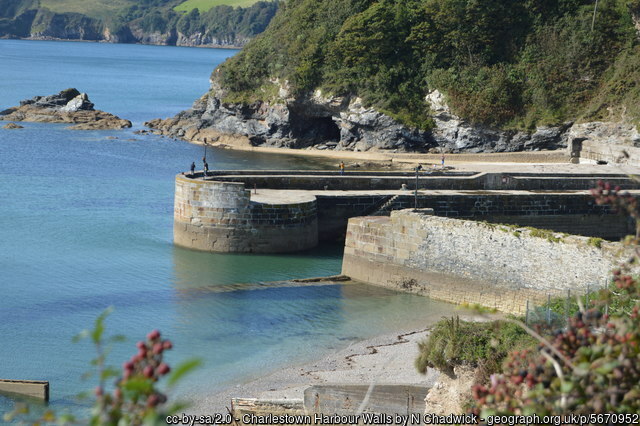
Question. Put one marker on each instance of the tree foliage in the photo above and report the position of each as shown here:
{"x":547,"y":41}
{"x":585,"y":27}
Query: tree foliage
{"x":589,"y":367}
{"x":511,"y":64}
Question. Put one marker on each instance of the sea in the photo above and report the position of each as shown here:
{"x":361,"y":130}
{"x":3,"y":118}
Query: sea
{"x":86,"y":224}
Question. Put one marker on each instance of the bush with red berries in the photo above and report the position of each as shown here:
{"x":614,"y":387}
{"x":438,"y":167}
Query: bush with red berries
{"x":592,"y":366}
{"x":134,"y":398}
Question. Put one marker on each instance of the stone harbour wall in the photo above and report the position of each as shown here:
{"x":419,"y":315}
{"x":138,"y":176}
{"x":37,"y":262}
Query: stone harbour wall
{"x":570,"y":213}
{"x":462,"y":261}
{"x":220,"y":217}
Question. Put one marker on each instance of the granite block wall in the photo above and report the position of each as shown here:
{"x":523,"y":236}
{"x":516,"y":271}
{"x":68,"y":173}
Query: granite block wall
{"x":220,"y":217}
{"x":462,"y":261}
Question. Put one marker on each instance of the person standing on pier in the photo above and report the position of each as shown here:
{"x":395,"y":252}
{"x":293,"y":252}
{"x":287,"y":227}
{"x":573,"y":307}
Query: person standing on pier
{"x":193,"y":168}
{"x":443,"y":160}
{"x":342,"y":167}
{"x":206,"y":169}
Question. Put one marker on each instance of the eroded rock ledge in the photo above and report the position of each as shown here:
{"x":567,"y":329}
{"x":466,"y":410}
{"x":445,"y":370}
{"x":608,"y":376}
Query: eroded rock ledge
{"x":68,"y":106}
{"x":342,"y":123}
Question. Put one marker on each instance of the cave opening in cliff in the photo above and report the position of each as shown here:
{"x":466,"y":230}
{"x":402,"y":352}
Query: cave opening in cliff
{"x":316,"y":129}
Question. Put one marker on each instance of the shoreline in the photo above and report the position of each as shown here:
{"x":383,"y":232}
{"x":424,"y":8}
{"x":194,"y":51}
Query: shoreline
{"x":360,"y":362}
{"x":383,"y":359}
{"x":499,"y":162}
{"x":204,"y":46}
{"x":526,"y":157}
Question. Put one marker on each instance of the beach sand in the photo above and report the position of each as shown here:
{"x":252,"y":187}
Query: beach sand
{"x":385,"y":359}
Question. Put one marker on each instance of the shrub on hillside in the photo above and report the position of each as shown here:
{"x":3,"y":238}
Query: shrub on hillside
{"x":453,"y":342}
{"x":592,"y":366}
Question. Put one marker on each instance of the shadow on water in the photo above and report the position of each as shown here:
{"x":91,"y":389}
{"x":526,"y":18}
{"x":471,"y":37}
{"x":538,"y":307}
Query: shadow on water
{"x":194,"y":268}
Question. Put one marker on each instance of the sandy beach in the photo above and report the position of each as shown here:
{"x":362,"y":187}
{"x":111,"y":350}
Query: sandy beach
{"x":384,"y":359}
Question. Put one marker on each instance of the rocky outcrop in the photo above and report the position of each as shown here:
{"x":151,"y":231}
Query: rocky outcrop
{"x":451,"y":392}
{"x":454,"y":134}
{"x":604,"y":142}
{"x":634,"y":9}
{"x":343,"y":123}
{"x":68,"y":106}
{"x":12,"y":126}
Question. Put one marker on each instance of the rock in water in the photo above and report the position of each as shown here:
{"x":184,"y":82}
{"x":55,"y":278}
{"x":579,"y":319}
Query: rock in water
{"x":80,"y":102}
{"x":68,"y":106}
{"x":12,"y":126}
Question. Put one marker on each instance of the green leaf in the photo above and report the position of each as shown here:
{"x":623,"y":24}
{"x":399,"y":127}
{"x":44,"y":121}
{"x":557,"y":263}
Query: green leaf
{"x":183,"y":369}
{"x":66,"y":418}
{"x":138,"y":385}
{"x":566,"y":387}
{"x":109,"y":372}
{"x":98,"y":330}
{"x":80,"y":336}
{"x":607,"y":368}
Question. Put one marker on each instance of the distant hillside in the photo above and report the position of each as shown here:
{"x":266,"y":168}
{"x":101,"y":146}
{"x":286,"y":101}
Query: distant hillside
{"x":137,"y":21}
{"x":204,"y":5}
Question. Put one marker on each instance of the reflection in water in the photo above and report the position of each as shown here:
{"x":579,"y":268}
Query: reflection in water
{"x":247,"y":330}
{"x":195,"y":268}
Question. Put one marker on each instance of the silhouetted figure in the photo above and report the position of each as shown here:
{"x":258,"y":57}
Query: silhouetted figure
{"x":193,"y":168}
{"x":206,"y":168}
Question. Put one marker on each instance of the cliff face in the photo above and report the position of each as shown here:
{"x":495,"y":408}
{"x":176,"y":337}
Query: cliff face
{"x":71,"y":26}
{"x":343,"y":123}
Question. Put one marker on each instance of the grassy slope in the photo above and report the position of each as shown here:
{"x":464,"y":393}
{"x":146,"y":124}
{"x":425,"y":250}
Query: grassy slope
{"x":92,"y":8}
{"x":204,"y":5}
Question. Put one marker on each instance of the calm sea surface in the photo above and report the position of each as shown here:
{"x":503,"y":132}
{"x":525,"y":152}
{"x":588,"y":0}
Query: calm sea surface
{"x":86,"y":223}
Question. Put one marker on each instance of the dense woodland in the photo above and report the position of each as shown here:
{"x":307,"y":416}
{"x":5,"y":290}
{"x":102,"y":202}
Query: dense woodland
{"x":509,"y":64}
{"x":29,"y":18}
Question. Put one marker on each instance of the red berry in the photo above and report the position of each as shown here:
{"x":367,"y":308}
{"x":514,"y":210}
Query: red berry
{"x":163,"y":369}
{"x":148,"y":371}
{"x":167,"y":344}
{"x":158,"y":348}
{"x":153,"y":400}
{"x":153,"y":335}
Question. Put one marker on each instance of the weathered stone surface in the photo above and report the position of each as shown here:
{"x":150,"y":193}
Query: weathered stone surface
{"x":454,"y":134}
{"x":12,"y":126}
{"x":616,"y":143}
{"x":346,"y":123}
{"x":462,"y":261}
{"x":80,"y":102}
{"x":224,"y":217}
{"x":68,"y":106}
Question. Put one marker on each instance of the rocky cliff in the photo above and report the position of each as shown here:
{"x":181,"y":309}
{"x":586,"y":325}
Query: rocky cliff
{"x":68,"y":106}
{"x":344,"y":123}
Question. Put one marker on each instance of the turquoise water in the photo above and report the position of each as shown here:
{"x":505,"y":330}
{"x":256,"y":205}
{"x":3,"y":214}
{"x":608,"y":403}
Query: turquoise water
{"x":86,"y":223}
